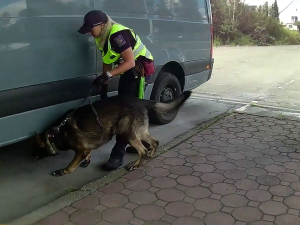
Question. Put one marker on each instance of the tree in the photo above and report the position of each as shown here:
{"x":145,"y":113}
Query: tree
{"x":298,"y":25}
{"x":259,"y":9}
{"x":274,"y":11}
{"x":265,"y":9}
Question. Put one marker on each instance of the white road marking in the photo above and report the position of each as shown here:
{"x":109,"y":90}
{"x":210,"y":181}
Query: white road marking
{"x":244,"y":103}
{"x":243,"y":108}
{"x":291,"y":114}
{"x":290,"y":82}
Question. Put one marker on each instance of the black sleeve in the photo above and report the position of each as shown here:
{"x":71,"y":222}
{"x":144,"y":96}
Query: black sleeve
{"x":122,"y":40}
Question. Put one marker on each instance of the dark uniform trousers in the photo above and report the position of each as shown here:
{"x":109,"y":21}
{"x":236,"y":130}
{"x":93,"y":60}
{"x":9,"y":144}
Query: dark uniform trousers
{"x":128,"y":85}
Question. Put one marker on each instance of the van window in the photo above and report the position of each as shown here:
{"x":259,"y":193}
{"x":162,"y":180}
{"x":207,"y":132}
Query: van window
{"x":190,"y":10}
{"x":128,"y":6}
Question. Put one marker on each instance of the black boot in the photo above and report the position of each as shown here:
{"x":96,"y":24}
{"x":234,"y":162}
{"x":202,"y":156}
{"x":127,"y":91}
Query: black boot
{"x":117,"y":154}
{"x":113,"y":164}
{"x":132,"y":150}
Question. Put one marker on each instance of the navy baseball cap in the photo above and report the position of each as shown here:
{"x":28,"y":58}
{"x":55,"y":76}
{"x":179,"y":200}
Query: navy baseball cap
{"x":92,"y":19}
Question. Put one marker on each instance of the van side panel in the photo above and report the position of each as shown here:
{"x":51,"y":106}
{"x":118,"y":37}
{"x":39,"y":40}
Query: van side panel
{"x":44,"y":62}
{"x":46,"y":67}
{"x":39,"y":42}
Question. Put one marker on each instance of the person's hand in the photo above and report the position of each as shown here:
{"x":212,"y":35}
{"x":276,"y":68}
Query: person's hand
{"x":102,"y":79}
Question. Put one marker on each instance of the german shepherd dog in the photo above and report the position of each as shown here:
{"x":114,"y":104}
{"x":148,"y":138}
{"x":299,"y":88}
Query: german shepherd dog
{"x":123,"y":115}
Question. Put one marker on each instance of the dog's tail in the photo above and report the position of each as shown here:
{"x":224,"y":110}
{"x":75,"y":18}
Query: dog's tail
{"x":176,"y":103}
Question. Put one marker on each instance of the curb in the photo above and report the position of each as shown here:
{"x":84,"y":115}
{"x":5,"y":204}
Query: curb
{"x":93,"y":186}
{"x":253,"y":103}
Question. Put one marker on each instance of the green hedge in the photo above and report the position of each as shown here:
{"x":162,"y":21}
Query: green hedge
{"x":248,"y":27}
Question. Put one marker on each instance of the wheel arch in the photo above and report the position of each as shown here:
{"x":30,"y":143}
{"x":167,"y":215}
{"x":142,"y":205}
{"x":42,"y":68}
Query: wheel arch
{"x":176,"y":69}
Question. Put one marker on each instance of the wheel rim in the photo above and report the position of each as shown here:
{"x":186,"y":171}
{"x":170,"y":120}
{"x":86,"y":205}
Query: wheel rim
{"x":167,"y":93}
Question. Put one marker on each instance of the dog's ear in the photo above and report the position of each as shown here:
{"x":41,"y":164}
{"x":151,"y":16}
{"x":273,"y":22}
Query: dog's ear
{"x":39,"y":140}
{"x":37,"y":136}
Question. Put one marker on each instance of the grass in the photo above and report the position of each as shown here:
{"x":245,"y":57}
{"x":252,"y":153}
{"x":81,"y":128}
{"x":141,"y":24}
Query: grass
{"x":71,"y":189}
{"x":253,"y":104}
{"x":287,"y":37}
{"x":243,"y":40}
{"x":281,"y":116}
{"x":217,"y":42}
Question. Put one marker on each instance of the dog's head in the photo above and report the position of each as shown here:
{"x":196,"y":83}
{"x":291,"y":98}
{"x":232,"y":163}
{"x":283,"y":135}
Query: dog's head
{"x":43,"y":147}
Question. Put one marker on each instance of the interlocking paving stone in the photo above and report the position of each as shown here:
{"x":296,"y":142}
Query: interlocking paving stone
{"x":234,"y":200}
{"x":197,"y":192}
{"x":124,"y":215}
{"x":223,"y":189}
{"x":156,"y":223}
{"x":85,"y":217}
{"x":225,"y":166}
{"x":188,"y":221}
{"x":293,"y":202}
{"x":149,"y":212}
{"x":113,"y":200}
{"x":163,"y":182}
{"x":273,"y":208}
{"x":179,"y":209}
{"x":219,"y":218}
{"x":247,"y":214}
{"x":181,"y":170}
{"x":246,"y":184}
{"x":141,"y":197}
{"x":281,"y":191}
{"x":288,"y":177}
{"x":296,"y":186}
{"x":258,"y":195}
{"x":243,"y":170}
{"x":235,"y":175}
{"x":170,"y":195}
{"x":212,"y":178}
{"x":287,"y":219}
{"x":58,"y":218}
{"x":208,"y":205}
{"x":204,"y":168}
{"x":268,"y":180}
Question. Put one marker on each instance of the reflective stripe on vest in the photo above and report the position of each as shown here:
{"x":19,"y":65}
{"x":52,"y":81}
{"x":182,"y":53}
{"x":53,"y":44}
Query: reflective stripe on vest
{"x":111,"y":57}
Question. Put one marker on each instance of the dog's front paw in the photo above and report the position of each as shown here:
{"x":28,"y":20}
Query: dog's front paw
{"x":149,"y":155}
{"x":130,"y":166}
{"x":85,"y":163}
{"x":58,"y":173}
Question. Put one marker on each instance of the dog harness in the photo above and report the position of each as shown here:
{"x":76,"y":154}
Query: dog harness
{"x":53,"y":133}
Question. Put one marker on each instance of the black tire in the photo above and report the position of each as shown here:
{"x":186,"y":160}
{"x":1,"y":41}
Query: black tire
{"x":166,"y":88}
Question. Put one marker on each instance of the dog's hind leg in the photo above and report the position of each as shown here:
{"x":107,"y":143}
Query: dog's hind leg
{"x":87,"y":161}
{"x":137,"y":144}
{"x":79,"y":156}
{"x":152,"y":142}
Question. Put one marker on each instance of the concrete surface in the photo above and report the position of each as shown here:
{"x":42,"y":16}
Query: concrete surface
{"x":269,"y":75}
{"x":242,"y":170}
{"x":26,"y":184}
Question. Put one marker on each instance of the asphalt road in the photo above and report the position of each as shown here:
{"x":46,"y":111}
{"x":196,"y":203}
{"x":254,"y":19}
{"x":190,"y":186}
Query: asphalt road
{"x":26,"y":184}
{"x":268,"y":75}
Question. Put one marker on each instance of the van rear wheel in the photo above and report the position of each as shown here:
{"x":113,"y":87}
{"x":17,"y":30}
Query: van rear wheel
{"x":166,"y":88}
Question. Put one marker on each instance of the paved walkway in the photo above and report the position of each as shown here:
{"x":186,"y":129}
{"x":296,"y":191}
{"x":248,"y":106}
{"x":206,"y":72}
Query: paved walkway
{"x":243,"y":170}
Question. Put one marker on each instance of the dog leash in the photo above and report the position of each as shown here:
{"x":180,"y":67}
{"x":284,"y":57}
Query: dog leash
{"x":56,"y":129}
